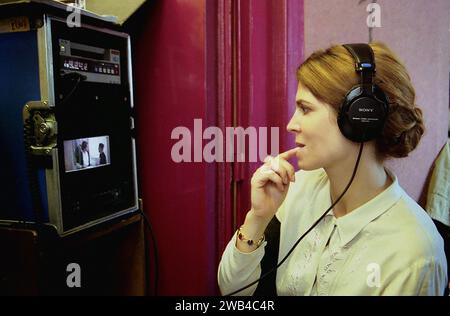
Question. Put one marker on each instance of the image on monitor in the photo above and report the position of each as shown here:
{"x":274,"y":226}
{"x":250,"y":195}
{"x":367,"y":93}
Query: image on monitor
{"x":86,"y":153}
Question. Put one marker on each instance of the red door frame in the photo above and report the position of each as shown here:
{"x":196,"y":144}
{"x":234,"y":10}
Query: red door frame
{"x":268,"y":48}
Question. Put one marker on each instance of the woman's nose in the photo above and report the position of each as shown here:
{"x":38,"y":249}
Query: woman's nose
{"x":293,"y":125}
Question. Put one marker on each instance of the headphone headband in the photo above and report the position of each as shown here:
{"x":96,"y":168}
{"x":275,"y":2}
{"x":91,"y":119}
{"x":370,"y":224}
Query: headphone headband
{"x":364,"y":61}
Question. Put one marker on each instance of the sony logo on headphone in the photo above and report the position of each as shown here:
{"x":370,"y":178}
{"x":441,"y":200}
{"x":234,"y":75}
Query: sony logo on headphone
{"x":365,"y":110}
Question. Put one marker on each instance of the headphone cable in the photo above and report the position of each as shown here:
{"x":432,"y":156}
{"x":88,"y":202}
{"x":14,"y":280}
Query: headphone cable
{"x":314,"y":225}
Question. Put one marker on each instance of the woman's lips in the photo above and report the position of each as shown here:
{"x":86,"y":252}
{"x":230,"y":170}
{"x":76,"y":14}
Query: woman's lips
{"x":300,"y":145}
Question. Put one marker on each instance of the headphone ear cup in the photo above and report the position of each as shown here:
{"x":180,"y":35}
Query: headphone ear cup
{"x":343,"y":119}
{"x":362,"y":115}
{"x":380,"y":96}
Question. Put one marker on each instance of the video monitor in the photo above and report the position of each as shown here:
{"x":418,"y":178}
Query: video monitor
{"x":86,"y":153}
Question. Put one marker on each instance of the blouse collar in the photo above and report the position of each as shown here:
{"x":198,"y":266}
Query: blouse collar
{"x":352,"y":224}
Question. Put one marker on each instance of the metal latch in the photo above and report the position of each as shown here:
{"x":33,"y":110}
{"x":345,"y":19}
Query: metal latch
{"x":40,"y":127}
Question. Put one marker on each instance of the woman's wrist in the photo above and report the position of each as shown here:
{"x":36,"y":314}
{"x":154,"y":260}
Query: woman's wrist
{"x":251,"y":218}
{"x":251,"y":233}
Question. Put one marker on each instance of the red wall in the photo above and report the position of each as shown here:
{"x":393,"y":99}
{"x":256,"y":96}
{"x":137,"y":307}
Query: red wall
{"x":229,"y":63}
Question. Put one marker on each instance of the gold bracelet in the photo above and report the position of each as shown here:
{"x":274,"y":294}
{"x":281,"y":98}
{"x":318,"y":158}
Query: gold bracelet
{"x":249,"y":242}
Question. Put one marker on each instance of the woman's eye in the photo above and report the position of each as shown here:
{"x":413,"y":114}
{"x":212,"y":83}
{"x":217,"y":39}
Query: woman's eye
{"x":304,"y":109}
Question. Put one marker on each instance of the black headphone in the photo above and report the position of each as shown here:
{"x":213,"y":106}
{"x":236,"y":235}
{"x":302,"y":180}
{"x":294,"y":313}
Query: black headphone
{"x":363,"y":113}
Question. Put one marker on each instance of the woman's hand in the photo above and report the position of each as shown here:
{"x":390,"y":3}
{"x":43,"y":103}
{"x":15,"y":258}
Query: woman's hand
{"x":270,"y":183}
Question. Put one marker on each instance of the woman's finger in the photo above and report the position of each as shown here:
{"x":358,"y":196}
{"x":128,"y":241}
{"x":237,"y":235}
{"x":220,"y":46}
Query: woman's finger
{"x":289,"y":168}
{"x":277,"y":164}
{"x":267,"y":174}
{"x":276,"y":179}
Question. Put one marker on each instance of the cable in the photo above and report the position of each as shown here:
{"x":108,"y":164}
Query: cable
{"x":71,"y":76}
{"x":155,"y":250}
{"x":313,"y":225}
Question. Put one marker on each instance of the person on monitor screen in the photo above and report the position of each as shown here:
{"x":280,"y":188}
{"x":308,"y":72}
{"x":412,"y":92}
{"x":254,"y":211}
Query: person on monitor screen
{"x":82,"y":156}
{"x":102,"y":155}
{"x":376,"y":240}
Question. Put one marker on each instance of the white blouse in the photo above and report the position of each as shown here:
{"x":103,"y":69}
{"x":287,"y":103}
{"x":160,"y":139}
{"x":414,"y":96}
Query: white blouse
{"x":388,"y":246}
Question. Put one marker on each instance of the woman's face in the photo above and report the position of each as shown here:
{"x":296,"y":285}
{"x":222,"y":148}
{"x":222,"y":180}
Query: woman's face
{"x":314,"y":125}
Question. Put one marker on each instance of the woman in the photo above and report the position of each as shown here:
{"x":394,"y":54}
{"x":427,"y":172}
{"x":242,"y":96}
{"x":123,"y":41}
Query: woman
{"x":376,"y":240}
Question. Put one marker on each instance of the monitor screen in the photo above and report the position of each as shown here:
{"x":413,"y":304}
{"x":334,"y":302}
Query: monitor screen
{"x":86,"y":153}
